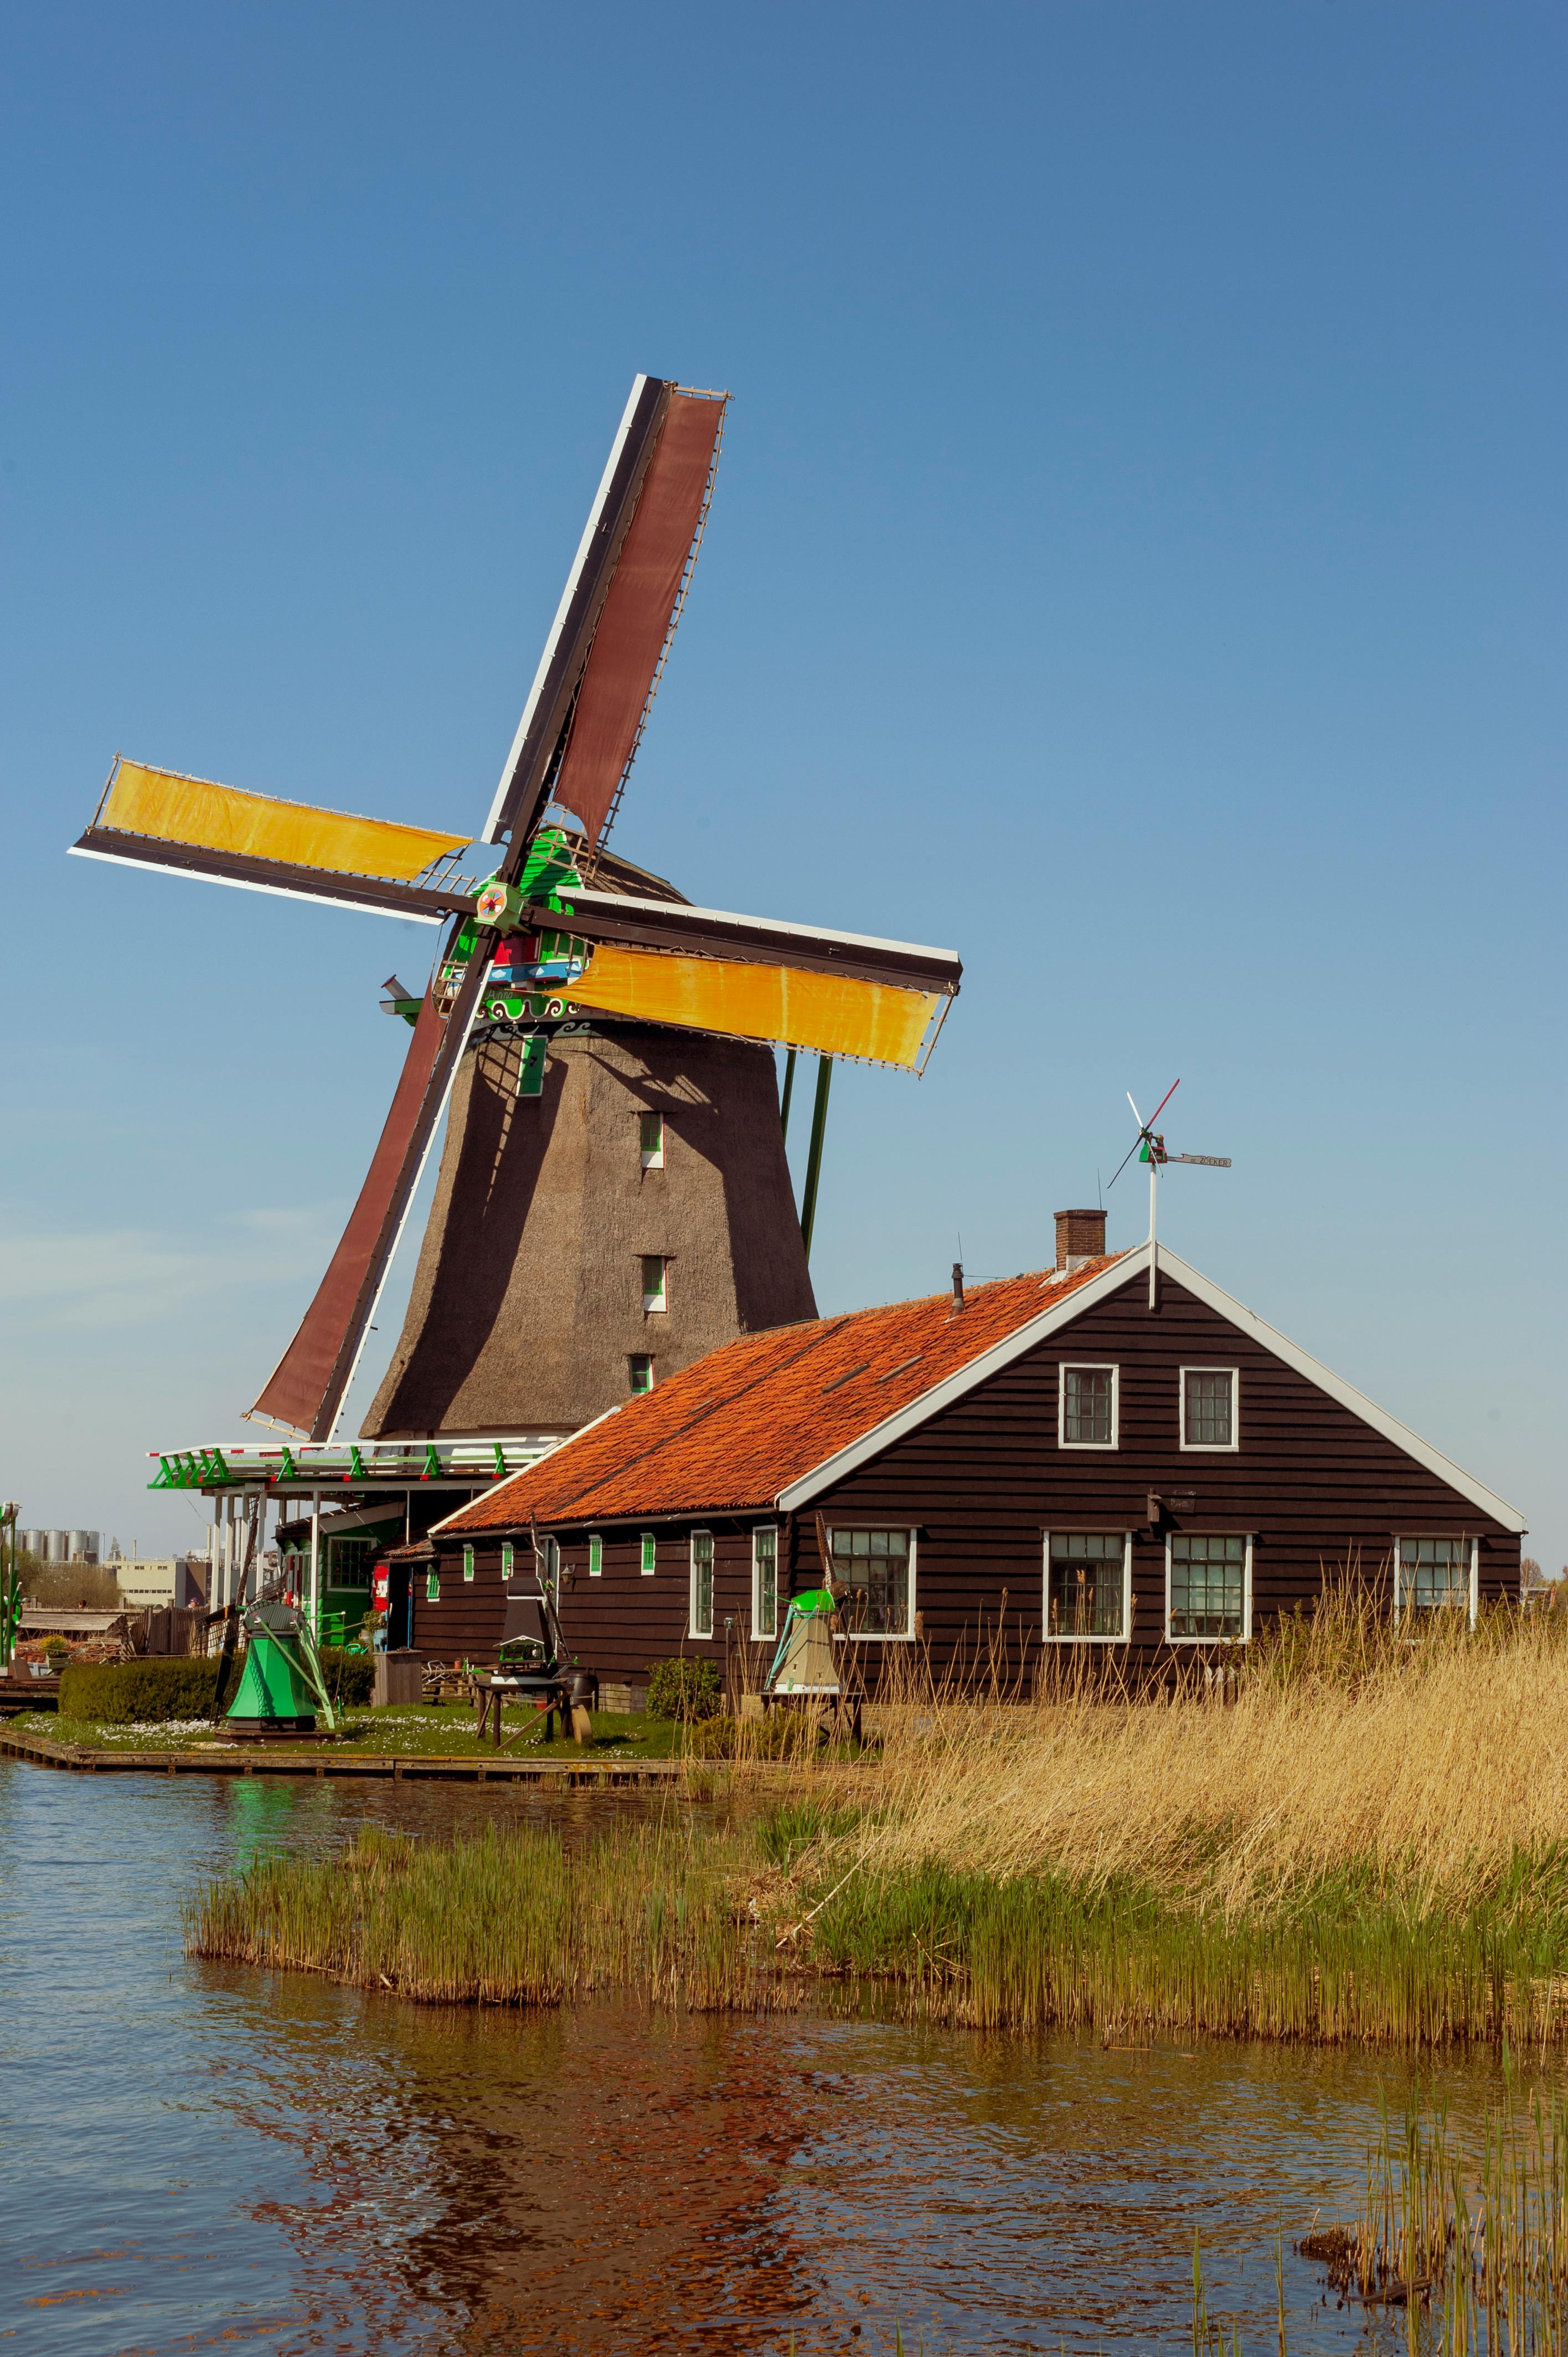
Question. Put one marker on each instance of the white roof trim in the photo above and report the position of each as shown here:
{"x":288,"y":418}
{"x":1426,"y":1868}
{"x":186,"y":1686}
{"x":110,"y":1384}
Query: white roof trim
{"x":1087,"y":1297}
{"x":504,"y":1479}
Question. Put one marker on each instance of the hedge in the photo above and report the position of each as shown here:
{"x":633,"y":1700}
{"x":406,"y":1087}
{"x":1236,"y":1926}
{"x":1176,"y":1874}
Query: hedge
{"x":145,"y":1692}
{"x":684,"y":1689}
{"x":133,"y":1693}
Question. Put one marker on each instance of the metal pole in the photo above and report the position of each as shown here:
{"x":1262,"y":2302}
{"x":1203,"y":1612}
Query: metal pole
{"x":314,"y":1610}
{"x":814,"y":1157}
{"x":1154,"y":1247}
{"x":788,"y":1093}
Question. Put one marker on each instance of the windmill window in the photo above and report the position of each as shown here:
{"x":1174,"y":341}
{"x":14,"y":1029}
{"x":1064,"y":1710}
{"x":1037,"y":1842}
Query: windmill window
{"x":874,"y":1572}
{"x":640,"y":1368}
{"x":702,"y":1584}
{"x":655,"y":1282}
{"x":1208,"y":1408}
{"x":1089,"y":1586}
{"x":467,"y":1563}
{"x":649,"y":1544}
{"x":1436,"y":1575}
{"x":508,"y":1559}
{"x":1089,"y":1407}
{"x":595,"y":1556}
{"x":765,"y":1581}
{"x":433,"y":1586}
{"x":650,"y":1131}
{"x":531,"y":1069}
{"x":1208,"y":1588}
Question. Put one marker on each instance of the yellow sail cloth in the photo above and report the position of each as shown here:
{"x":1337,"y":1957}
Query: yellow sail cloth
{"x":826,"y":1011}
{"x":220,"y":818}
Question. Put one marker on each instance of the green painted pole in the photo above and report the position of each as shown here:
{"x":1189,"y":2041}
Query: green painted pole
{"x":788,"y":1092}
{"x":814,"y":1158}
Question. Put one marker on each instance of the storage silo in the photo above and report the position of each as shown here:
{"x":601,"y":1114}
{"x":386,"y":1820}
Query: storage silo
{"x":54,"y":1550}
{"x":83,"y":1546}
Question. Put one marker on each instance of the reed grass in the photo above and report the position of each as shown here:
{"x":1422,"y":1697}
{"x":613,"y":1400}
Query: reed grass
{"x":1473,"y":2247}
{"x":1357,"y":1839}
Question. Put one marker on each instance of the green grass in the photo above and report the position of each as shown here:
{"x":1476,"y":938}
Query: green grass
{"x":446,"y":1731}
{"x":740,"y":1914}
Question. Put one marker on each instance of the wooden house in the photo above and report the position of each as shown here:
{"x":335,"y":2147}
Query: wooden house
{"x":1085,"y":1458}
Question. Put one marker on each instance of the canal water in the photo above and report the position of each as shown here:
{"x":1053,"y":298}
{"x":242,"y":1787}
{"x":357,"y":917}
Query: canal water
{"x":194,"y":2158}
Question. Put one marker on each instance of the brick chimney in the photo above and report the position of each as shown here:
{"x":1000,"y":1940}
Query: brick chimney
{"x":1081,"y":1236}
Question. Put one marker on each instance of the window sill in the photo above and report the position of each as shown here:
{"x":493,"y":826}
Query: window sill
{"x":1048,"y":1639}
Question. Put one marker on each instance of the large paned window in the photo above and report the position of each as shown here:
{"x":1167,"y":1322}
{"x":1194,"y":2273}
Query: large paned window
{"x":1089,"y":1579}
{"x":1436,"y":1574}
{"x":874,"y":1570}
{"x":765,"y":1581}
{"x":1208,"y":1588}
{"x":349,"y":1562}
{"x":1088,"y":1412}
{"x":1208,"y":1408}
{"x":702,"y":1584}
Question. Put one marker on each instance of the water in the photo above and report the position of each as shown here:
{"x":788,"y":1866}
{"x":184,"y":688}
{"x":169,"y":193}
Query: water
{"x":194,"y":2156}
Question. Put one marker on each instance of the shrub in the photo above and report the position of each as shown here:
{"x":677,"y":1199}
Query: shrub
{"x":350,"y":1677}
{"x":56,"y":1652}
{"x":683,"y":1689}
{"x":134,"y":1693}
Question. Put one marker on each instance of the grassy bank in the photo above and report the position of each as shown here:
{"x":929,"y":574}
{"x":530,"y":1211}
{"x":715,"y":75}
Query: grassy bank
{"x":406,"y":1729}
{"x":1365,"y":1842}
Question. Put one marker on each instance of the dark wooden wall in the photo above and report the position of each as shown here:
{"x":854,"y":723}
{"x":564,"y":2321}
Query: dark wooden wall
{"x":1319,"y":1492}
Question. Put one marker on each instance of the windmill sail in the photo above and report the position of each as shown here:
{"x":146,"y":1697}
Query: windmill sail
{"x":834,"y":1014}
{"x":580,"y":727}
{"x":306,"y":1388}
{"x":158,"y":818}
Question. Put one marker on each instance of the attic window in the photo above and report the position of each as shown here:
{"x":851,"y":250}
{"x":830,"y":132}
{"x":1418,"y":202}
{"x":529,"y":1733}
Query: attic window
{"x":595,"y":1556}
{"x":1208,"y":1408}
{"x":1088,"y":1407}
{"x":468,"y":1562}
{"x":655,"y":1283}
{"x":650,"y":1131}
{"x":640,"y":1367}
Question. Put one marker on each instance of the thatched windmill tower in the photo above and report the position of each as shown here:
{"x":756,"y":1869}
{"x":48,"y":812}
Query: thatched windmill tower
{"x":613,"y":1198}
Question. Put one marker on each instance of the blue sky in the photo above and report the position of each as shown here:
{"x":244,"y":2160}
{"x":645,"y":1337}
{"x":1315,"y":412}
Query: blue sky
{"x":1136,"y":561}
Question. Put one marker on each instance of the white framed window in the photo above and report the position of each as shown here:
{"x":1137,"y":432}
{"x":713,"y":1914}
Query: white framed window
{"x":1087,"y":1406}
{"x":702,"y":1584}
{"x":508,"y":1559}
{"x":874,"y":1573}
{"x":650,"y":1140}
{"x":649,"y":1554}
{"x":468,"y":1562}
{"x":1087,"y":1594}
{"x":1211,"y":1401}
{"x":433,"y":1586}
{"x":595,"y":1556}
{"x":1431,"y":1574}
{"x":765,"y":1580}
{"x":550,"y":1564}
{"x":639,"y":1371}
{"x":1208,"y":1588}
{"x":655,"y":1283}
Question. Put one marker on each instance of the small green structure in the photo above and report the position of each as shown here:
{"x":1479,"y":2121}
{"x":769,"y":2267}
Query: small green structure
{"x":281,"y":1690}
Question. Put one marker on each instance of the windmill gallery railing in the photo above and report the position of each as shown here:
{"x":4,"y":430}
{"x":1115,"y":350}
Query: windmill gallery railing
{"x":305,"y":1466}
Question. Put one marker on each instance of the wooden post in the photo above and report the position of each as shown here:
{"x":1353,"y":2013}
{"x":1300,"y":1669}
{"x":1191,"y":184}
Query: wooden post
{"x":788,"y":1092}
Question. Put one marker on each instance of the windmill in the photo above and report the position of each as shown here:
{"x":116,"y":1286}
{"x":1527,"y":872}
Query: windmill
{"x":549,"y":945}
{"x":1149,"y":1146}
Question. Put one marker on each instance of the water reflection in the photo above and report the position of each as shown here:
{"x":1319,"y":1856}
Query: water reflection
{"x":198,"y":2154}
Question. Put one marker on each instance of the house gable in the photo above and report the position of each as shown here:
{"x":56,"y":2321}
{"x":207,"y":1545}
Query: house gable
{"x":1077,"y":1311}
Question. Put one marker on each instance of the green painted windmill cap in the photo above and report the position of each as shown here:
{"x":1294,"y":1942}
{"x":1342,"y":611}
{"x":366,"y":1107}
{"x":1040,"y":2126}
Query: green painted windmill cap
{"x":814,"y":1599}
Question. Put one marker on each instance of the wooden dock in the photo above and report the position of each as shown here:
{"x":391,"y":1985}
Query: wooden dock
{"x":326,"y":1760}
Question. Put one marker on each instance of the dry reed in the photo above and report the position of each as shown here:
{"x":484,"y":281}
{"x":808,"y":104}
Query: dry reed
{"x":1358,"y":1839}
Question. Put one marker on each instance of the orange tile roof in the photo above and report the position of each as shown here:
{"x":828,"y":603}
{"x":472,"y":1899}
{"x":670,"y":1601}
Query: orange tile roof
{"x":733,"y":1429}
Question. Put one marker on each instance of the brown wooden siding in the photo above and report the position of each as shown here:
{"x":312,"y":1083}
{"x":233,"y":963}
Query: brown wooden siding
{"x":1317,"y":1490}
